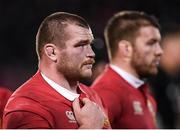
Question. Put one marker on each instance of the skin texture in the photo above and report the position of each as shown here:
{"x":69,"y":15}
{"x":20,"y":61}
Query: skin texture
{"x":141,"y":56}
{"x":83,"y":117}
{"x":67,"y":65}
{"x":75,"y":61}
{"x":146,"y":52}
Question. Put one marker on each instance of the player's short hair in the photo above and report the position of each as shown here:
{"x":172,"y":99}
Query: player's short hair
{"x":53,"y":27}
{"x":125,"y":26}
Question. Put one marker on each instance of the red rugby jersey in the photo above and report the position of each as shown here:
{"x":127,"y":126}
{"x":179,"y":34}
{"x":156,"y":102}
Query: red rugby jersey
{"x":4,"y":96}
{"x":37,"y":105}
{"x":128,"y":107}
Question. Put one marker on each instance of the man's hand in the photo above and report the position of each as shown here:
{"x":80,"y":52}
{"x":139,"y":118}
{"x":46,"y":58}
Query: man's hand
{"x":89,"y":115}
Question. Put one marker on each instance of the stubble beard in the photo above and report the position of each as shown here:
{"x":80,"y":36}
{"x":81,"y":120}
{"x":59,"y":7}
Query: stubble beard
{"x":144,"y":70}
{"x":74,"y":73}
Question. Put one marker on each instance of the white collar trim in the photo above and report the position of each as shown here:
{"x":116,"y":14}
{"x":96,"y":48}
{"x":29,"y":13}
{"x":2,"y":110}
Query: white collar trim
{"x":135,"y":82}
{"x":61,"y":90}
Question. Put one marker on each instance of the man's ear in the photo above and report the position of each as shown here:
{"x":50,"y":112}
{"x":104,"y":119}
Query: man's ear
{"x":125,"y":48}
{"x":50,"y":51}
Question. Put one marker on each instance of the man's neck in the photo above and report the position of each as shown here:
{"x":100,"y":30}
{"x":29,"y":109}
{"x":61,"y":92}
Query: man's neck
{"x":60,"y":79}
{"x":126,"y":67}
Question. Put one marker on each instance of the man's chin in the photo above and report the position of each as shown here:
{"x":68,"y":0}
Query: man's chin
{"x":87,"y":74}
{"x":148,"y":74}
{"x":154,"y":71}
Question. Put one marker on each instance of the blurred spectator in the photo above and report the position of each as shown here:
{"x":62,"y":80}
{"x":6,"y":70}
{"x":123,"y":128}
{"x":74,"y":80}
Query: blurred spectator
{"x":4,"y":96}
{"x":166,"y":84}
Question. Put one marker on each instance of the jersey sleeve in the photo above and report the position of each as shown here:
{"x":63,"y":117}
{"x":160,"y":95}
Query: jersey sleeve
{"x":23,"y":112}
{"x":24,"y":120}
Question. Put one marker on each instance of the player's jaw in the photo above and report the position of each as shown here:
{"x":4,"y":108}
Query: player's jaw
{"x":154,"y":65}
{"x":86,"y":67}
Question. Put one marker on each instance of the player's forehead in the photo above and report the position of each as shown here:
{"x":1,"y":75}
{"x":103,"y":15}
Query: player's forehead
{"x":77,"y":31}
{"x":149,"y":33}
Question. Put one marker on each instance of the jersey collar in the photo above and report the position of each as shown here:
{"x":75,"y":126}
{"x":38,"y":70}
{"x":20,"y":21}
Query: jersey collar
{"x":61,"y":90}
{"x":135,"y":82}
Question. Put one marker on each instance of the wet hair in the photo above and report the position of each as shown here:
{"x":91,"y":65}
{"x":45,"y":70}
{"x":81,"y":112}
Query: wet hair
{"x":53,"y":28}
{"x":125,"y":26}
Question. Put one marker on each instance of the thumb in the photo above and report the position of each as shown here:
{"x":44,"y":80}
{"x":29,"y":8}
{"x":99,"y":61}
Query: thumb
{"x":85,"y":101}
{"x":76,"y":106}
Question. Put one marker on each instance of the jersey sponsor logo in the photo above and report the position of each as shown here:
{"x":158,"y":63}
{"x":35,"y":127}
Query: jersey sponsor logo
{"x":70,"y":116}
{"x":138,"y":110}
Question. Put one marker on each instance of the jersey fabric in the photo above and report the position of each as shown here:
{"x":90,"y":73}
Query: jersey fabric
{"x":37,"y":105}
{"x":4,"y":96}
{"x":128,"y":107}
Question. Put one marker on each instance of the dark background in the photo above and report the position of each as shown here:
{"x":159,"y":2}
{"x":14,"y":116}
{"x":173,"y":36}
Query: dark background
{"x":20,"y":19}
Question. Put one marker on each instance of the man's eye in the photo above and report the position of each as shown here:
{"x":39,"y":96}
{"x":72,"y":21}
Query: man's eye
{"x":80,"y":45}
{"x":151,"y":43}
{"x":83,"y":45}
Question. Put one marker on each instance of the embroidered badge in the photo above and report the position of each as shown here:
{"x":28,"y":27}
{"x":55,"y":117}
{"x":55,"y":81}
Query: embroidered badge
{"x":137,"y":108}
{"x":70,"y":116}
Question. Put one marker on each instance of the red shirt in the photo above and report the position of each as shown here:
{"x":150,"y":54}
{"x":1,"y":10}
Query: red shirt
{"x":128,"y":107}
{"x":4,"y":96}
{"x":37,"y":105}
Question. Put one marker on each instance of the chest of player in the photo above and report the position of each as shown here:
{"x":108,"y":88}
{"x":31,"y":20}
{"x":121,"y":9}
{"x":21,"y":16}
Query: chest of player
{"x":137,"y":110}
{"x":63,"y":116}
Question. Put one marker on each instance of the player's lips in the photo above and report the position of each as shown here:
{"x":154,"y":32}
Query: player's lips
{"x":89,"y":62}
{"x":156,"y":62}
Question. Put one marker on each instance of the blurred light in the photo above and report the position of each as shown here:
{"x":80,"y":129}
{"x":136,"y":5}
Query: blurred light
{"x":98,"y":44}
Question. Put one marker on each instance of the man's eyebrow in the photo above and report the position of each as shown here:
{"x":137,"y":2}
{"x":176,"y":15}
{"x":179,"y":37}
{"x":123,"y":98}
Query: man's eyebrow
{"x":155,"y":40}
{"x":84,"y":41}
{"x":81,"y":42}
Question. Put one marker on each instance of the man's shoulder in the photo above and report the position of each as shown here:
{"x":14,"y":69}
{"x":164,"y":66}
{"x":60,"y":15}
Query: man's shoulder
{"x":107,"y":79}
{"x":23,"y":107}
{"x":4,"y":94}
{"x":35,"y":92}
{"x":4,"y":90}
{"x":35,"y":86}
{"x":110,"y":84}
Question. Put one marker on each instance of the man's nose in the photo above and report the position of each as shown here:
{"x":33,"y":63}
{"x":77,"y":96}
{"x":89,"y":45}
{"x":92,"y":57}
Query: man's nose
{"x":159,"y":50}
{"x":90,"y":53}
